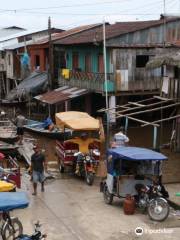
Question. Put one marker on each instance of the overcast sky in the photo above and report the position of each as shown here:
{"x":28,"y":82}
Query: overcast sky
{"x":33,"y":14}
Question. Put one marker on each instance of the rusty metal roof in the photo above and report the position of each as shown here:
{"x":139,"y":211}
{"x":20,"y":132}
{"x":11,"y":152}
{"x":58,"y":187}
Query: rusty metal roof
{"x":61,"y":94}
{"x":112,"y":30}
{"x":67,"y":33}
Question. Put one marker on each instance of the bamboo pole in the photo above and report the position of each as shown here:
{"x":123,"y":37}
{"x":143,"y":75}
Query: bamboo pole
{"x":124,"y":106}
{"x":137,"y":120}
{"x":152,"y":110}
{"x":137,"y":104}
{"x":146,"y":106}
{"x":163,"y":120}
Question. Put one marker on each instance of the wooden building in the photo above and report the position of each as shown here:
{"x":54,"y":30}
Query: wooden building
{"x":129,"y":46}
{"x":13,"y":48}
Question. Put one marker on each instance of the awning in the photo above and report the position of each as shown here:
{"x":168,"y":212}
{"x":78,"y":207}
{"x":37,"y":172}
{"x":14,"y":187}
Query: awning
{"x":61,"y":94}
{"x":77,"y":121}
{"x":136,"y":154}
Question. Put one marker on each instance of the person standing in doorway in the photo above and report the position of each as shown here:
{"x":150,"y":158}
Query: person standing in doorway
{"x":38,"y":165}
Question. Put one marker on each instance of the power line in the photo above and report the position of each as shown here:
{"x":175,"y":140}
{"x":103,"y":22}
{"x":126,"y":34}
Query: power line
{"x":63,"y":6}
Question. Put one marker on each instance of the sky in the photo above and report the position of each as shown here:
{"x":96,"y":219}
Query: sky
{"x":33,"y":14}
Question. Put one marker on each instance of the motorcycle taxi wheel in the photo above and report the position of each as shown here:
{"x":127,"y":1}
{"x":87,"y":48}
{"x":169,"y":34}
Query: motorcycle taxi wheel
{"x":90,"y":178}
{"x":9,"y":232}
{"x":108,"y":197}
{"x":158,"y":209}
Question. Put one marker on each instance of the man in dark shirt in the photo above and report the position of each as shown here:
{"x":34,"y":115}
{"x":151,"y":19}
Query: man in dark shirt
{"x":38,"y":164}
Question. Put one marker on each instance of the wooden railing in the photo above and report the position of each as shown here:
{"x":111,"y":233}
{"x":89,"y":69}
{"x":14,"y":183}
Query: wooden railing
{"x":96,"y":82}
{"x":88,"y":80}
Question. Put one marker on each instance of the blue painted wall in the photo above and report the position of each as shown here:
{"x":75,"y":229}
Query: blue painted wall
{"x":82,"y":51}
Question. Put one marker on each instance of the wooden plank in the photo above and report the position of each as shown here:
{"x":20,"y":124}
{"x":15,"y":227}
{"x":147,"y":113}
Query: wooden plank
{"x":26,"y":150}
{"x":137,"y":104}
{"x":163,"y":120}
{"x":153,"y":109}
{"x":146,"y":106}
{"x":162,"y":98}
{"x":137,"y":120}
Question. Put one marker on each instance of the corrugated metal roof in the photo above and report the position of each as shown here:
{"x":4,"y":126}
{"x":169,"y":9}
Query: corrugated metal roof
{"x":23,"y":33}
{"x":69,"y":32}
{"x":7,"y":32}
{"x":112,"y":30}
{"x":18,"y":45}
{"x":34,"y":84}
{"x":61,"y":94}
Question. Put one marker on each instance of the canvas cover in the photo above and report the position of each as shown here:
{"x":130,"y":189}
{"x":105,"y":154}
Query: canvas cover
{"x":77,"y":121}
{"x":136,"y":154}
{"x":13,"y":200}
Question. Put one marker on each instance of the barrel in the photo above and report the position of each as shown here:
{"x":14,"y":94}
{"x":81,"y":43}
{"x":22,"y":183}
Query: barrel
{"x":129,"y":205}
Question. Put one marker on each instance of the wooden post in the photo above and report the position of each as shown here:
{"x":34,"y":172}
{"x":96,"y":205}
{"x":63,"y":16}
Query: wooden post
{"x":126,"y":125}
{"x":49,"y":110}
{"x":155,"y":138}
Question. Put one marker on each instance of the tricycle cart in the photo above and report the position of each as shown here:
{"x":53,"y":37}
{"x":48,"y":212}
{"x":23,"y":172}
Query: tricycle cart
{"x":136,"y":172}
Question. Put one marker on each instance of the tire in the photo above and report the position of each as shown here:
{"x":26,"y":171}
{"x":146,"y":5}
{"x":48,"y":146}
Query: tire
{"x":108,"y":197}
{"x":89,"y":178}
{"x":10,"y":233}
{"x":158,"y":209}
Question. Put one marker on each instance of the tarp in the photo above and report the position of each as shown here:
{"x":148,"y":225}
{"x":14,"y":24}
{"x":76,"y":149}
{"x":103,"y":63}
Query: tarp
{"x":136,"y":154}
{"x":13,"y":200}
{"x":77,"y":121}
{"x":37,"y":82}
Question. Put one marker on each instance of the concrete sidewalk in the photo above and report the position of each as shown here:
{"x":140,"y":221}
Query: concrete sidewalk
{"x":71,"y":210}
{"x":173,"y":188}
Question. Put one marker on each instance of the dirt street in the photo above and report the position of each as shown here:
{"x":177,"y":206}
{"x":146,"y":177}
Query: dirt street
{"x":71,"y":210}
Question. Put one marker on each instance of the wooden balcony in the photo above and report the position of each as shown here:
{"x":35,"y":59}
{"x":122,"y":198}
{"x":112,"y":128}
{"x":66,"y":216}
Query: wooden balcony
{"x":95,"y":82}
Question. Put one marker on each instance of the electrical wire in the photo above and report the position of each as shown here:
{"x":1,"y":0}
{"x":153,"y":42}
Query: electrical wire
{"x":64,"y":6}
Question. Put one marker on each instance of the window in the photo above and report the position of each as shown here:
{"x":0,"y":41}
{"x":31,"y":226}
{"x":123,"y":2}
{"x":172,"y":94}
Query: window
{"x":37,"y":61}
{"x":176,"y":72}
{"x":141,"y":60}
{"x":2,"y":54}
{"x":88,"y":63}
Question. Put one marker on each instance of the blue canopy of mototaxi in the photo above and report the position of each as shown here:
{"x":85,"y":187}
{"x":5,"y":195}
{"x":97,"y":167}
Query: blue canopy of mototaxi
{"x":13,"y":200}
{"x":135,"y":154}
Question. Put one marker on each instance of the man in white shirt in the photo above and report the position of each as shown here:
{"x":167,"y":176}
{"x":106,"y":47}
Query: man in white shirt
{"x":120,"y":139}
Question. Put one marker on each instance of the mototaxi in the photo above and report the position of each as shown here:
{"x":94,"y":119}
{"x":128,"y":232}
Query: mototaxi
{"x":137,"y":172}
{"x":74,"y":124}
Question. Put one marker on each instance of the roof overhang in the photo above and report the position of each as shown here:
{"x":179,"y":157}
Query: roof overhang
{"x":61,"y":94}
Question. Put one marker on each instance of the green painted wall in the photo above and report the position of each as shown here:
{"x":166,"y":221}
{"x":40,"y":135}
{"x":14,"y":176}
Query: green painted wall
{"x":82,"y":51}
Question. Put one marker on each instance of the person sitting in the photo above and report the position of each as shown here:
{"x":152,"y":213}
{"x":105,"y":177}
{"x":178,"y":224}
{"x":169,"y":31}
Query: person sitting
{"x":48,"y":124}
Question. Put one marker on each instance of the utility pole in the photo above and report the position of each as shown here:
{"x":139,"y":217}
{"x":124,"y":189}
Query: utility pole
{"x":106,"y":83}
{"x":50,"y":65}
{"x":164,"y":31}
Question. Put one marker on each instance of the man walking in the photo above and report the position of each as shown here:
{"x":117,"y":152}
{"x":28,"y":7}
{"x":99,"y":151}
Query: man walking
{"x":38,"y":165}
